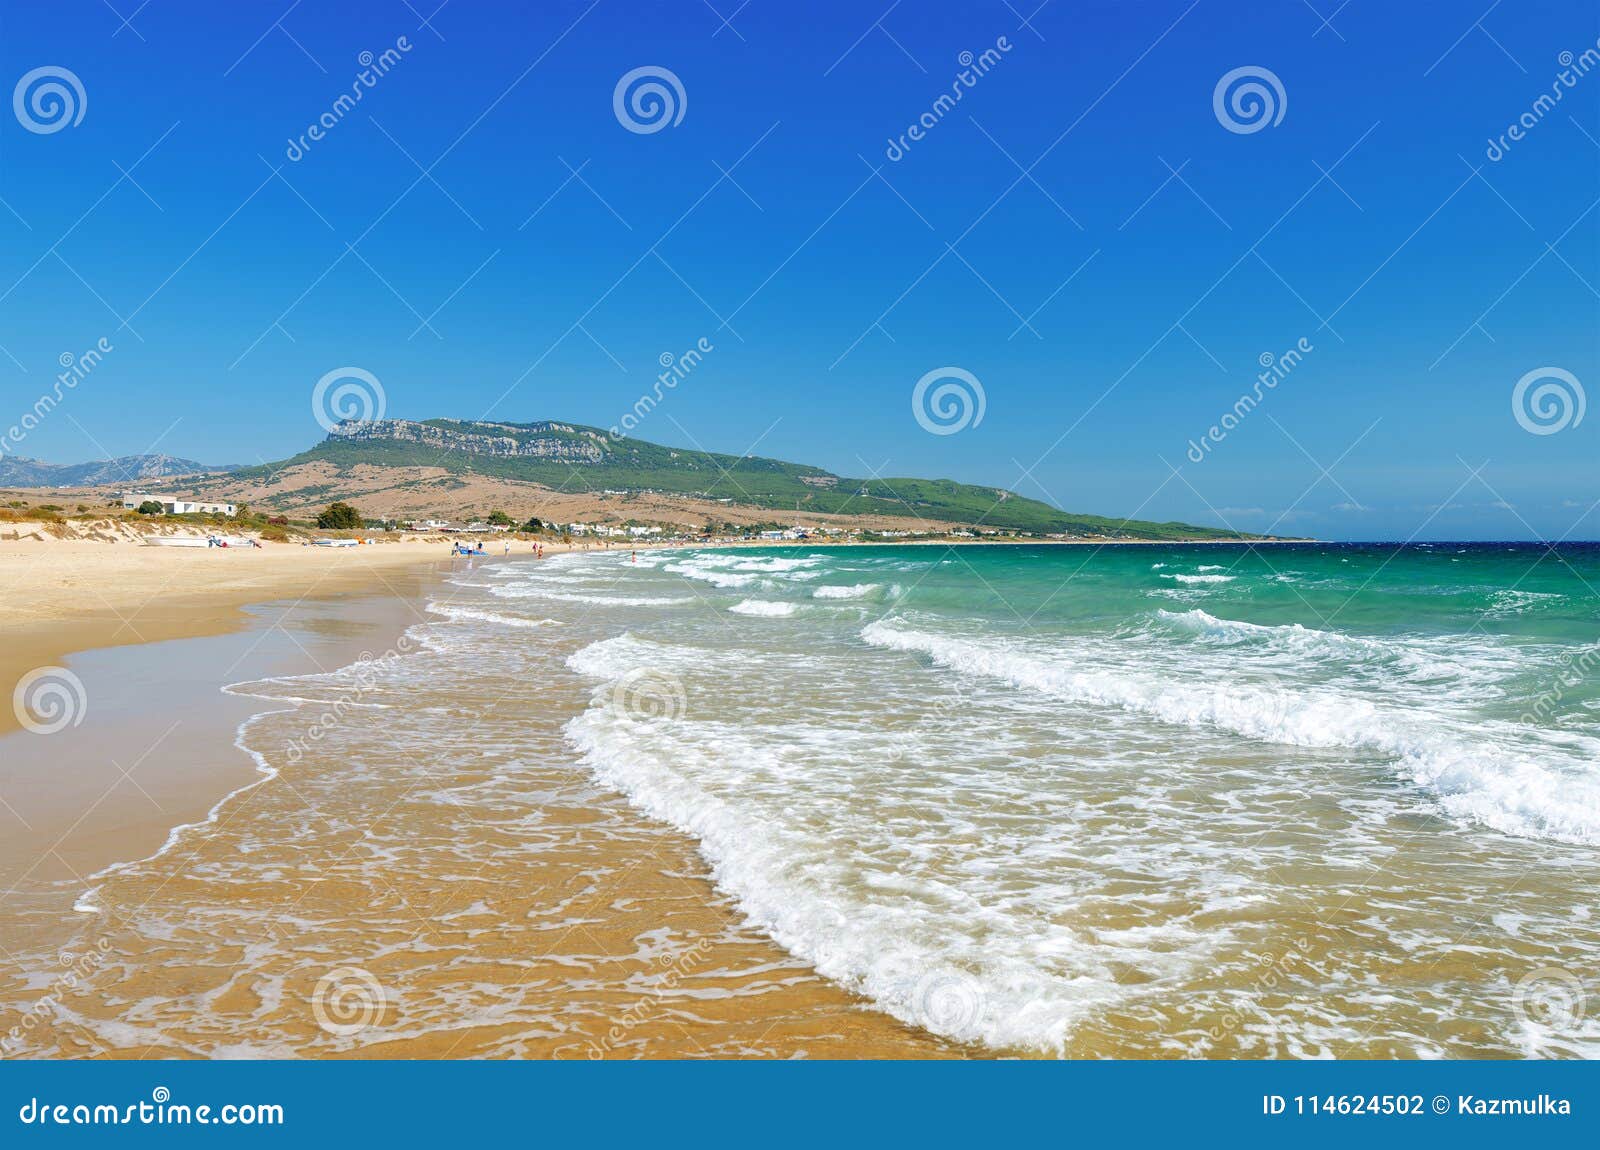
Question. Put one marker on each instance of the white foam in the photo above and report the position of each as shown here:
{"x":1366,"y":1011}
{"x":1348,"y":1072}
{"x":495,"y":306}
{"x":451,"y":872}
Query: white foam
{"x":1509,"y":603}
{"x":766,"y":607}
{"x":451,"y":611}
{"x":778,"y":564}
{"x":1201,"y":578}
{"x":710,"y":573}
{"x":855,"y":591}
{"x":836,"y":885}
{"x":1477,"y":666}
{"x":598,"y":600}
{"x":1518,"y":781}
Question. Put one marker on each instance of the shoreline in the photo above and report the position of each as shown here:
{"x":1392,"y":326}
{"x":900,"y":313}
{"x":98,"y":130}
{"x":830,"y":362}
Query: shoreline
{"x":130,"y":869}
{"x":141,"y":767}
{"x":65,"y":597}
{"x":69,"y":597}
{"x":521,"y":900}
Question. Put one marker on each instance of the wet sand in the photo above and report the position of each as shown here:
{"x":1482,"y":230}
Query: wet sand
{"x":573,"y":927}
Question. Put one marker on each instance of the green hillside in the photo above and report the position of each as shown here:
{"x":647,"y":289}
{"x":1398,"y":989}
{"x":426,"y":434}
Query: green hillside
{"x":571,"y":457}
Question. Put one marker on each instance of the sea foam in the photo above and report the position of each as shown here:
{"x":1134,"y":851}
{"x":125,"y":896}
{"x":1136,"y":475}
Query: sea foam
{"x":1516,"y":780}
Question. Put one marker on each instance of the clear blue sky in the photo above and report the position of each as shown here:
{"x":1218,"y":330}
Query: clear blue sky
{"x":1355,"y":223}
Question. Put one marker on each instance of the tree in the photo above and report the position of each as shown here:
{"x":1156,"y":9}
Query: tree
{"x":533,"y":525}
{"x":150,"y":507}
{"x":339,"y":516}
{"x":500,"y":519}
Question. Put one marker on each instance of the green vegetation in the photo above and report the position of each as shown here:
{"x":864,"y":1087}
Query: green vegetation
{"x":338,"y":517}
{"x":500,"y":519}
{"x":572,"y":458}
{"x":149,"y":507}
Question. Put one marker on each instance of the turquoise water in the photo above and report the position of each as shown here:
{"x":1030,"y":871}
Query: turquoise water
{"x":1137,"y":800}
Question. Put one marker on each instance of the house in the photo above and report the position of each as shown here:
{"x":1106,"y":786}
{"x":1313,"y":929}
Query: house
{"x":131,"y":501}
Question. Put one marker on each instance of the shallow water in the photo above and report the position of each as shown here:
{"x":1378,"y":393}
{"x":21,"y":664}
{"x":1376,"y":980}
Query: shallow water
{"x":1139,"y":801}
{"x":1154,"y":801}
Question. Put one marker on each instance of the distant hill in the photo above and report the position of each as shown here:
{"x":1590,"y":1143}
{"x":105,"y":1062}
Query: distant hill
{"x":572,"y":458}
{"x":18,"y":471}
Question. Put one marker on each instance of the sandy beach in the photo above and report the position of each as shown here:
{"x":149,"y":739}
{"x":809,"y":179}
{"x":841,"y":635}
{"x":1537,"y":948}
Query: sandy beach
{"x":73,"y":595}
{"x":617,"y":905}
{"x":727,"y":802}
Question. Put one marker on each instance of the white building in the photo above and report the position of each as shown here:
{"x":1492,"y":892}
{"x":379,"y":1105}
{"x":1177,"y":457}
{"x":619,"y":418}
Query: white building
{"x":131,"y":501}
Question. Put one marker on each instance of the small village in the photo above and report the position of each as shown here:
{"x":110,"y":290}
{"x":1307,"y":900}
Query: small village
{"x":151,"y":515}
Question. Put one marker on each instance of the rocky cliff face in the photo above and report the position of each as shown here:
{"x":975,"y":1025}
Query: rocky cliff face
{"x":556,"y":441}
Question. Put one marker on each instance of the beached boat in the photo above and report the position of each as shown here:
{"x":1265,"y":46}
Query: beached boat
{"x":197,"y":541}
{"x":176,"y":541}
{"x":335,"y":542}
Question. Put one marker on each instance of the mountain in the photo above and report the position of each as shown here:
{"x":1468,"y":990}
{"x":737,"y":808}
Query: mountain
{"x":18,"y":471}
{"x":381,"y":457}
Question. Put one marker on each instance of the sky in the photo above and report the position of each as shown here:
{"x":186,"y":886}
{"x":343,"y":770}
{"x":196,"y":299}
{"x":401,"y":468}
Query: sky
{"x":1096,"y":241}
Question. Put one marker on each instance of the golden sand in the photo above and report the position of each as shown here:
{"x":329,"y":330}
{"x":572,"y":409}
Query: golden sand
{"x":585,"y":931}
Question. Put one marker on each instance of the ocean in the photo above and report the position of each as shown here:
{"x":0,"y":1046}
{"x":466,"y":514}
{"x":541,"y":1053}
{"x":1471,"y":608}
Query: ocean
{"x":1306,"y":800}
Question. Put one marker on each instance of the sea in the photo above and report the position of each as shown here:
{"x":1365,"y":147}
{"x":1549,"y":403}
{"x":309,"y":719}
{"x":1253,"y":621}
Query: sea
{"x":1148,"y":801}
